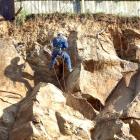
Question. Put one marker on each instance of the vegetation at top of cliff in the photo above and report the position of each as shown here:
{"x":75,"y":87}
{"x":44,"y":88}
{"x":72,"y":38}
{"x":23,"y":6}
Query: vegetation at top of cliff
{"x":98,"y":17}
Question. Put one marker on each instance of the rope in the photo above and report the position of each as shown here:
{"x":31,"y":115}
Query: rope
{"x":58,"y":79}
{"x":64,"y":76}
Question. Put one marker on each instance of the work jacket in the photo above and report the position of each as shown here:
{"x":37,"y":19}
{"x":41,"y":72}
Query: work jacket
{"x":59,"y":43}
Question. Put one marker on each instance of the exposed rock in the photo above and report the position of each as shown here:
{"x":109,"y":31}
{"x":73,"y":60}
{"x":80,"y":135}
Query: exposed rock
{"x":132,"y":51}
{"x":43,"y":115}
{"x":70,"y":126}
{"x":132,"y":110}
{"x":39,"y":58}
{"x":3,"y":133}
{"x":82,"y":105}
{"x":112,"y":130}
{"x":98,"y":84}
{"x":101,"y":70}
{"x":16,"y":78}
{"x":131,"y":115}
{"x":125,"y":101}
{"x":14,"y":84}
{"x":123,"y":94}
{"x":135,"y":127}
{"x":103,"y":87}
{"x":127,"y":43}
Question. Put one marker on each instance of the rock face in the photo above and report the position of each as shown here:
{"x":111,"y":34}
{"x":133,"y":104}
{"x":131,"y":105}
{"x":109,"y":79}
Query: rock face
{"x":123,"y":94}
{"x":100,"y":98}
{"x":82,"y":105}
{"x":45,"y":115}
{"x":132,"y":115}
{"x":13,"y":84}
{"x":112,"y":130}
{"x":126,"y":43}
{"x":93,"y":83}
{"x":39,"y":58}
{"x":16,"y":77}
{"x":100,"y":70}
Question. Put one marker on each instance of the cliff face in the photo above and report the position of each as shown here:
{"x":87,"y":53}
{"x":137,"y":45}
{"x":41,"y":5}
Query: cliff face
{"x":98,"y":100}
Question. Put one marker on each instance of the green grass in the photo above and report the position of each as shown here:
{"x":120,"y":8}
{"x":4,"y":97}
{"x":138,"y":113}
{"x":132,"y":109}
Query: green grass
{"x":21,"y":18}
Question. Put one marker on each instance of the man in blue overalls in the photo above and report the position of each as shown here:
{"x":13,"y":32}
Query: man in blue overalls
{"x":59,"y":44}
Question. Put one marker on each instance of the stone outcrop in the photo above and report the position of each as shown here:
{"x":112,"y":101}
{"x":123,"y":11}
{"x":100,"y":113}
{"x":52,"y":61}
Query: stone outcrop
{"x":94,"y":84}
{"x":126,"y":43}
{"x":16,"y":75}
{"x":39,"y":58}
{"x":13,"y":85}
{"x":112,"y":130}
{"x":82,"y":105}
{"x":123,"y":94}
{"x":100,"y":70}
{"x":101,"y":97}
{"x":134,"y":127}
{"x":131,"y":115}
{"x":45,"y":115}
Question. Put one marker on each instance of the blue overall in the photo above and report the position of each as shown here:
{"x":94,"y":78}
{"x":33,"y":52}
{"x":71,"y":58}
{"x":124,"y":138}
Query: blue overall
{"x":59,"y":45}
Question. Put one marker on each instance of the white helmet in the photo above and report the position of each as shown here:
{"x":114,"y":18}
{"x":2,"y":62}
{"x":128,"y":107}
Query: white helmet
{"x":60,"y":33}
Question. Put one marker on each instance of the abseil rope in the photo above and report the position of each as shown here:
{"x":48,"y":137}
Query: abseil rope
{"x":58,"y":79}
{"x":64,"y":75}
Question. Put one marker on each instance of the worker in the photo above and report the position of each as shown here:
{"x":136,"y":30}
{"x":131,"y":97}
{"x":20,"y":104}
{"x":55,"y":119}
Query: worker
{"x":60,"y":44}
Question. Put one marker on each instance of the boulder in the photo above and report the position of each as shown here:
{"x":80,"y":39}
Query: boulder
{"x":100,"y":70}
{"x":133,"y":109}
{"x":127,"y":43}
{"x":135,"y":127}
{"x":97,"y":84}
{"x":125,"y":101}
{"x":70,"y":125}
{"x":16,"y":78}
{"x":131,"y":114}
{"x":112,"y":130}
{"x":82,"y":105}
{"x":45,"y":115}
{"x":123,"y":94}
{"x":39,"y":58}
{"x":14,"y":84}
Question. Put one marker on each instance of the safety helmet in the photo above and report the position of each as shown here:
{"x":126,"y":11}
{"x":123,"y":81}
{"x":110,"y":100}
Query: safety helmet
{"x":60,"y":33}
